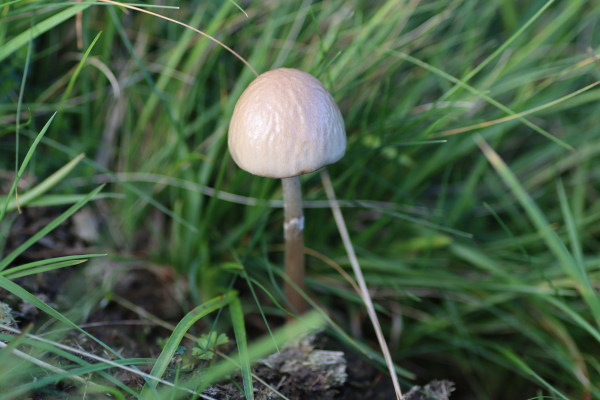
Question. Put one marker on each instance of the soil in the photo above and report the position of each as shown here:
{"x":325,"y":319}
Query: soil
{"x":315,"y":368}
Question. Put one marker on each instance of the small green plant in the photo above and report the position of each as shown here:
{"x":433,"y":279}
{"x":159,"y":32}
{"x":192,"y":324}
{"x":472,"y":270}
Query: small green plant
{"x":207,"y":345}
{"x":6,"y":317}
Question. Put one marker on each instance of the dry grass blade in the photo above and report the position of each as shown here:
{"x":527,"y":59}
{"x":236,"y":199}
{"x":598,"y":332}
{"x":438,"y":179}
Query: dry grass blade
{"x":185,"y":25}
{"x":339,"y":219}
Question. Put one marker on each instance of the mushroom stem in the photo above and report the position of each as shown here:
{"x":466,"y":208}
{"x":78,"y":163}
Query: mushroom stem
{"x":294,"y":241}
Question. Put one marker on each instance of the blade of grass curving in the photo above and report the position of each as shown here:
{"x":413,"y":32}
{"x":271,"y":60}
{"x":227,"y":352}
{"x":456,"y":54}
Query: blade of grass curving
{"x":45,"y":268}
{"x":553,"y":242}
{"x":20,"y":40}
{"x":47,"y":262}
{"x":57,"y":200}
{"x":48,"y":183}
{"x":339,"y":219}
{"x":238,"y":7}
{"x":182,"y":327}
{"x":71,"y":83}
{"x":24,"y":165}
{"x":479,"y":94}
{"x":237,"y":318}
{"x":48,"y":228}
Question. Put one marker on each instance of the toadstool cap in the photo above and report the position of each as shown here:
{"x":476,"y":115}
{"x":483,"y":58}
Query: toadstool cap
{"x":286,"y":124}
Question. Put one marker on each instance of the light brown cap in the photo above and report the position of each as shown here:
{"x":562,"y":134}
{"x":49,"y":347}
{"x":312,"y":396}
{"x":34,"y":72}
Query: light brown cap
{"x":286,"y":124}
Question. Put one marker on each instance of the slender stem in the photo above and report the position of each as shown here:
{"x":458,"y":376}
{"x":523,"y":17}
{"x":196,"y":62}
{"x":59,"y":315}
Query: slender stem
{"x":294,"y":241}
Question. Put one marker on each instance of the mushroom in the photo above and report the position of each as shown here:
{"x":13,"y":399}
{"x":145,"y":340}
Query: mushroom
{"x":286,"y":124}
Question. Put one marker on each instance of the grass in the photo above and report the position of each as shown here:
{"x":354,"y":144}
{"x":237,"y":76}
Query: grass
{"x":468,"y":189}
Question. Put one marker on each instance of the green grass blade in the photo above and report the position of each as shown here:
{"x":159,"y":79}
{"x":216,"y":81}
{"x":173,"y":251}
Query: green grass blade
{"x":42,"y":27}
{"x":57,"y":200}
{"x":539,"y":221}
{"x":519,"y":115}
{"x":71,"y":83}
{"x":48,"y":261}
{"x":47,"y":184}
{"x":417,"y":220}
{"x":498,"y":51}
{"x":518,"y":362}
{"x":20,"y":102}
{"x":45,"y":268}
{"x":237,"y":318}
{"x":481,"y":95}
{"x":578,"y":319}
{"x":275,"y":302}
{"x":48,"y":228}
{"x":570,"y":224}
{"x":24,"y":165}
{"x":9,"y":3}
{"x":182,"y":327}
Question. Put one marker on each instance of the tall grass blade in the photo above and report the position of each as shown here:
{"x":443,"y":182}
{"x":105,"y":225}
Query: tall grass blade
{"x":237,"y":318}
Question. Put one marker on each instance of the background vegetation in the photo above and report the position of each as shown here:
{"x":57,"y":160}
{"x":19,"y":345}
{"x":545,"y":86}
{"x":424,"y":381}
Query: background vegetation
{"x":479,"y":245}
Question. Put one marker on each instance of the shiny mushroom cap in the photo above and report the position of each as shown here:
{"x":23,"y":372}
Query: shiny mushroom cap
{"x":286,"y":124}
